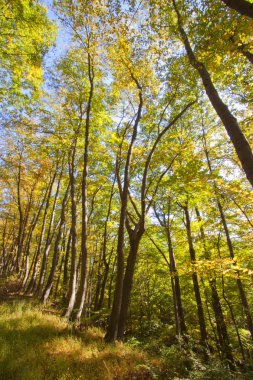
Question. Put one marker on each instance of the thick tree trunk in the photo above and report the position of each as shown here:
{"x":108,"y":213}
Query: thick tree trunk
{"x":236,"y":135}
{"x":247,"y":54}
{"x":244,"y":7}
{"x":128,"y":280}
{"x":112,"y":330}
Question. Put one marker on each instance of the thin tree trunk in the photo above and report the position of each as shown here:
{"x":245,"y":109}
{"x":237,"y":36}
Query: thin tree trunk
{"x":174,"y":275}
{"x":201,"y":317}
{"x":111,"y":283}
{"x":58,"y":279}
{"x":48,"y":239}
{"x":20,"y":210}
{"x":84,"y":249}
{"x":48,"y":287}
{"x":230,"y":306}
{"x":217,"y":308}
{"x":242,"y":294}
{"x":73,"y":270}
{"x":103,"y":285}
{"x":66,"y":264}
{"x":99,"y":299}
{"x":32,"y":282}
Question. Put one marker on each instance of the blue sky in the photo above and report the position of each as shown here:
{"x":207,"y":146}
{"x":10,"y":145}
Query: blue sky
{"x":63,"y":37}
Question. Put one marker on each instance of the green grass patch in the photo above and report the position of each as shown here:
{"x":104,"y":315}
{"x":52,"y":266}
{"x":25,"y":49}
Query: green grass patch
{"x":36,"y":345}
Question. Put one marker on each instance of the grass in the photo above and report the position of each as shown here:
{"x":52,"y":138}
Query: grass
{"x":37,"y":345}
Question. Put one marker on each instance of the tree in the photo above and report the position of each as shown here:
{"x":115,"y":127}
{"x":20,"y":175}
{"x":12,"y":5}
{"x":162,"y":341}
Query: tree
{"x":242,"y":6}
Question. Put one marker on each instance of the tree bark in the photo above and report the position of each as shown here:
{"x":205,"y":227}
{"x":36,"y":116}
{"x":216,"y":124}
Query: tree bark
{"x":48,"y":239}
{"x":242,"y":294}
{"x":56,"y":255}
{"x":84,"y":249}
{"x":218,"y":312}
{"x":135,"y":238}
{"x":244,"y":7}
{"x":174,"y":276}
{"x":230,"y":123}
{"x":71,"y":297}
{"x":33,"y":279}
{"x":112,"y":330}
{"x":201,"y":317}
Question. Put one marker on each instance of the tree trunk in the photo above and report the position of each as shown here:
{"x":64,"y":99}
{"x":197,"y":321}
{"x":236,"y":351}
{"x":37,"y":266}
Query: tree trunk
{"x":99,"y":299}
{"x":244,"y":7}
{"x":221,"y":326}
{"x":236,"y":135}
{"x":21,"y":219}
{"x":128,"y":280}
{"x":112,"y":330}
{"x":174,"y":276}
{"x":48,"y":240}
{"x":32,"y":282}
{"x":73,"y":270}
{"x":84,"y":249}
{"x":65,"y":267}
{"x":218,"y":312}
{"x":201,"y":317}
{"x":48,"y":287}
{"x":242,"y":294}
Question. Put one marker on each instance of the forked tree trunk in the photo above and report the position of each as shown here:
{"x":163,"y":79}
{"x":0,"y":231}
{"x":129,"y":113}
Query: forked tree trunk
{"x":112,"y":330}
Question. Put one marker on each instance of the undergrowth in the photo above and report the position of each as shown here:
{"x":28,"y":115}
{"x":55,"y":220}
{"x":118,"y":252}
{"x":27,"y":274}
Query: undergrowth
{"x":37,"y":344}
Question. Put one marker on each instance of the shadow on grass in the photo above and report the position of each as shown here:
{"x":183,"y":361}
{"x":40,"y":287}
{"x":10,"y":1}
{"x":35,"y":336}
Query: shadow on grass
{"x":36,"y":346}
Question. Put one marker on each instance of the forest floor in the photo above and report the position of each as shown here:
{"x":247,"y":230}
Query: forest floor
{"x":37,"y":344}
